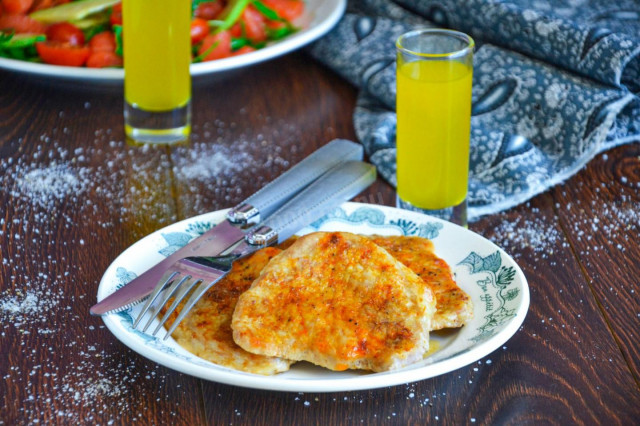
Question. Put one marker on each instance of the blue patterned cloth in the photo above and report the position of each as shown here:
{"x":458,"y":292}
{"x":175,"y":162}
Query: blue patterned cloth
{"x":555,"y":83}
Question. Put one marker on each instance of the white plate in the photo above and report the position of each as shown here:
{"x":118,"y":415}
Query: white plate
{"x":494,"y":281}
{"x":319,"y":17}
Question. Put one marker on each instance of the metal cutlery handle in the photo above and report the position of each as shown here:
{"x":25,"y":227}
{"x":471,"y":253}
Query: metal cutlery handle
{"x":324,"y":195}
{"x":271,"y":197}
{"x":225,"y":234}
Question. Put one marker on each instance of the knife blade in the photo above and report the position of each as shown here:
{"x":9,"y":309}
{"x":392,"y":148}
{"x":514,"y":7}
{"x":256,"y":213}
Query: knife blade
{"x":230,"y":231}
{"x":321,"y":197}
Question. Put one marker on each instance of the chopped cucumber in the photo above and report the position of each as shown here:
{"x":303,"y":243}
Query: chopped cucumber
{"x":73,"y":11}
{"x":92,"y":21}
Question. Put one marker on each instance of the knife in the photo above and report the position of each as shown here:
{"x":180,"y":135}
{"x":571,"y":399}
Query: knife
{"x":230,"y":231}
{"x":321,"y":197}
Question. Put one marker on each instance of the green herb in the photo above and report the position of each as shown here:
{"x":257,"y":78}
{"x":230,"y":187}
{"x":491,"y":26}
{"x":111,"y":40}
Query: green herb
{"x":117,"y":31}
{"x":215,"y":23}
{"x":239,"y":43}
{"x":20,"y":46}
{"x":280,"y":33}
{"x":204,"y":54}
{"x":266,"y":11}
{"x":231,"y":14}
{"x":5,"y":37}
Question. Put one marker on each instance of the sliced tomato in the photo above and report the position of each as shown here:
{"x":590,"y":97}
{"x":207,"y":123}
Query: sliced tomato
{"x":216,"y":46}
{"x":65,"y":32}
{"x":21,"y":24}
{"x":236,"y":30}
{"x":116,"y":15}
{"x":103,"y":59}
{"x":209,"y":10}
{"x":103,"y":42}
{"x":41,"y":4}
{"x":253,"y":22}
{"x":103,"y":51}
{"x":199,"y":30}
{"x":243,"y":50}
{"x":275,"y":25}
{"x":286,"y":9}
{"x":17,"y":6}
{"x":57,"y":53}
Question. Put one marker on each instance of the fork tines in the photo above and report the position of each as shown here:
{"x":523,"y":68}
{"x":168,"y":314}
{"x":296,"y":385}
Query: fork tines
{"x":189,"y":277}
{"x":173,"y":285}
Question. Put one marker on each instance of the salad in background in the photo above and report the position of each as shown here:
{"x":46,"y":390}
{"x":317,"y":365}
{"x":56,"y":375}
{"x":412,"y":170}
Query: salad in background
{"x":88,"y":33}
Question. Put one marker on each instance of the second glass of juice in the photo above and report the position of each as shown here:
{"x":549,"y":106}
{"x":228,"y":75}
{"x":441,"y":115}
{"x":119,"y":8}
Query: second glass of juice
{"x":157,"y":55}
{"x":433,"y":105}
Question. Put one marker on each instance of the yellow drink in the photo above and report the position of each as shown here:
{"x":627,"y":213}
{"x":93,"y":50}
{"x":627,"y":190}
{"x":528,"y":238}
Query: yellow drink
{"x":157,"y":53}
{"x":157,"y":82}
{"x":433,"y":128}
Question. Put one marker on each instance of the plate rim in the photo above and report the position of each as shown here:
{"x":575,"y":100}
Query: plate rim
{"x":365,"y":381}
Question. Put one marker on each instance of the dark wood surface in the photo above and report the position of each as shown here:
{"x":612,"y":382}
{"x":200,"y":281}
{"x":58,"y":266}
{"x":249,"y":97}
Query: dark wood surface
{"x":575,"y":360}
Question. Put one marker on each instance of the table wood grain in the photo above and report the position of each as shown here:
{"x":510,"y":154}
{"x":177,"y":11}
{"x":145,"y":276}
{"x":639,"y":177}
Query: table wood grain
{"x":575,"y":360}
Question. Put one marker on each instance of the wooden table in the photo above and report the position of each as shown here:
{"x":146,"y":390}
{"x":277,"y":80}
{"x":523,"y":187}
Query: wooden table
{"x":74,"y":196}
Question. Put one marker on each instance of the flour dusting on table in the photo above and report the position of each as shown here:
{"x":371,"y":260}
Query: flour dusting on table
{"x":61,"y":196}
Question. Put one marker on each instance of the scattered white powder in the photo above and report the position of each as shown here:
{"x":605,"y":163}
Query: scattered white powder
{"x":12,"y":306}
{"x":27,"y":308}
{"x":540,"y":236}
{"x":521,"y":234}
{"x":204,"y":166}
{"x":89,"y":390}
{"x":54,"y":183}
{"x":223,"y":171}
{"x":49,"y":184}
{"x":59,"y":190}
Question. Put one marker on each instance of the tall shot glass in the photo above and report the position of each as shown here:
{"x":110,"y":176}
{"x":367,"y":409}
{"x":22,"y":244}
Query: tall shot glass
{"x":157,"y":83}
{"x":434,"y":71}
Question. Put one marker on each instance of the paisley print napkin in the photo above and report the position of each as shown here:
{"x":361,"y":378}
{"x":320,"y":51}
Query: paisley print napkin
{"x":555,"y":83}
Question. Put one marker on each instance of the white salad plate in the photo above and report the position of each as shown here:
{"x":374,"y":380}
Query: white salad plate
{"x":319,"y":17}
{"x":490,"y":276}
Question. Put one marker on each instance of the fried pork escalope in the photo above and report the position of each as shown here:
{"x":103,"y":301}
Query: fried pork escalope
{"x":207,"y":332}
{"x":339,"y":301}
{"x":453,"y":306}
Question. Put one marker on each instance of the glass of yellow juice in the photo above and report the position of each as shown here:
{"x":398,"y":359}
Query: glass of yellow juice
{"x":434,"y":71}
{"x":157,"y":82}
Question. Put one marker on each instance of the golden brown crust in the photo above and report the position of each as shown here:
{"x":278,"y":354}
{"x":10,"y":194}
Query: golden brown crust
{"x":206,"y":331}
{"x":288,"y":242}
{"x":453,"y":306}
{"x":336,"y":300}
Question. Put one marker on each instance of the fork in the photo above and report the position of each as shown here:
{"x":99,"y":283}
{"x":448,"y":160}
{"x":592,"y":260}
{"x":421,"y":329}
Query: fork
{"x":195,"y":275}
{"x":183,"y":276}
